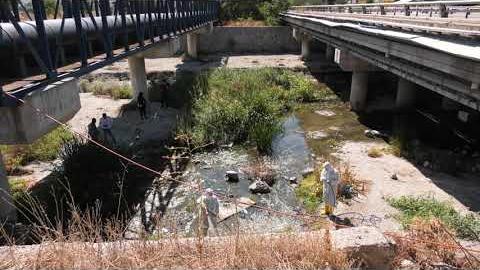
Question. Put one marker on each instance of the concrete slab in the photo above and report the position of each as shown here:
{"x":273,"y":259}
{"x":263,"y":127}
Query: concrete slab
{"x":22,"y":124}
{"x":229,"y":209}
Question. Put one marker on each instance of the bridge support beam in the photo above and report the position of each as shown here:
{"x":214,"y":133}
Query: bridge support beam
{"x":7,"y":208}
{"x":359,"y":90}
{"x":138,"y":76}
{"x":405,"y":95}
{"x":192,"y":45}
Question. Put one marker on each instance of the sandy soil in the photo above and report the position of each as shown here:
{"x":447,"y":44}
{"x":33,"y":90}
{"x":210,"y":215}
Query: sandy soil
{"x":126,"y":126}
{"x":462,"y":192}
{"x":244,"y":61}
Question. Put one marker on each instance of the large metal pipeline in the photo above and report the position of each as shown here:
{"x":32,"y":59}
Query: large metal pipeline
{"x":59,"y":33}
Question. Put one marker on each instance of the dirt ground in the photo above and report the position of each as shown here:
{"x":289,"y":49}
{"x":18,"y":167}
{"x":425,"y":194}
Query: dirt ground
{"x":126,"y":126}
{"x":462,"y":192}
{"x":241,"y":61}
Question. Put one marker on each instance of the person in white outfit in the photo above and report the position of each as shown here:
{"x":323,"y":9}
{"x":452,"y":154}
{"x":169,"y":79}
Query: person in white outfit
{"x":106,"y":124}
{"x":208,"y":212}
{"x":329,"y":177}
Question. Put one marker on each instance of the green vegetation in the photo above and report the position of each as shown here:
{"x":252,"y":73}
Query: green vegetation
{"x":18,"y":188}
{"x":44,"y":149}
{"x":310,"y":192}
{"x":254,"y":10}
{"x":246,"y":105}
{"x":107,"y":87}
{"x":426,"y":208}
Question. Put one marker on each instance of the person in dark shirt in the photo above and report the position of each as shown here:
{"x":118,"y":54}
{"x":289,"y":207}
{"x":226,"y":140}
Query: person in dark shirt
{"x":142,"y":106}
{"x":93,"y":130}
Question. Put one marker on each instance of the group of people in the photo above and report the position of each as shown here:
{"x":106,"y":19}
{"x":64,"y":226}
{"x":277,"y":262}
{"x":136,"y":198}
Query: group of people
{"x":106,"y":123}
{"x":105,"y":126}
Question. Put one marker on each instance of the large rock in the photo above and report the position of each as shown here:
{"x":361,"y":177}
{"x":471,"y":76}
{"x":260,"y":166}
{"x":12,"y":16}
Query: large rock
{"x":259,"y":187}
{"x":367,"y":244}
{"x":231,"y":176}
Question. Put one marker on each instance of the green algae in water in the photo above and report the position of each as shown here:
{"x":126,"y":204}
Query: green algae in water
{"x":342,"y":126}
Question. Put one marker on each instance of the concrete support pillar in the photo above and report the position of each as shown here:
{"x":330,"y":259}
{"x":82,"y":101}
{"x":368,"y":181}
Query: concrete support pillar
{"x":359,"y":90}
{"x":330,"y":53}
{"x":192,"y":45}
{"x":305,"y":47}
{"x":405,"y":94}
{"x":138,"y":76}
{"x":7,"y":208}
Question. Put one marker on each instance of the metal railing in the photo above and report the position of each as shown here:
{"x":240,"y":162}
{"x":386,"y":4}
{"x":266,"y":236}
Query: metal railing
{"x":44,"y":38}
{"x":443,"y":9}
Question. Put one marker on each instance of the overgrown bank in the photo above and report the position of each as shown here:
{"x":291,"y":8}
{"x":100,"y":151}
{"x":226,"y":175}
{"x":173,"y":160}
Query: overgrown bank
{"x":246,"y":106}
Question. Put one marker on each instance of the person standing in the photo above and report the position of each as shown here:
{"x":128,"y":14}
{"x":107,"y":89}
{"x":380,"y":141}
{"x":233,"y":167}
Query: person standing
{"x":93,"y":130}
{"x":106,"y":124}
{"x":208,"y":212}
{"x":329,"y":177}
{"x":142,"y":106}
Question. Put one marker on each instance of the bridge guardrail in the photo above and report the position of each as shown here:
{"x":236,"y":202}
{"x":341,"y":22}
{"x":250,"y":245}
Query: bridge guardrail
{"x":44,"y":33}
{"x":442,"y":9}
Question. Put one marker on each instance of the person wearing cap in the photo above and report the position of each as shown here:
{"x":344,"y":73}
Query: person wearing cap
{"x":208,"y":212}
{"x":329,"y":177}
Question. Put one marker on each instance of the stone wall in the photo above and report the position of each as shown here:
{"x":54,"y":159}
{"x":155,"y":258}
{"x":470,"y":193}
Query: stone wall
{"x":240,"y":40}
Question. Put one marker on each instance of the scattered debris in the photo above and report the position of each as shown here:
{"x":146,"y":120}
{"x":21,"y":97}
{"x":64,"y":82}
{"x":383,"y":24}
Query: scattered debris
{"x":231,"y":176}
{"x":371,"y":133}
{"x":327,"y":113}
{"x":316,"y":135}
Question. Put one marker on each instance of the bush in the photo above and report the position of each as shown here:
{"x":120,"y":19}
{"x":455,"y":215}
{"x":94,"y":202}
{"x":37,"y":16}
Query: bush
{"x":310,"y":192}
{"x":107,"y":87}
{"x":240,"y":105}
{"x":426,"y":208}
{"x":44,"y":149}
{"x":375,"y":152}
{"x":271,"y":10}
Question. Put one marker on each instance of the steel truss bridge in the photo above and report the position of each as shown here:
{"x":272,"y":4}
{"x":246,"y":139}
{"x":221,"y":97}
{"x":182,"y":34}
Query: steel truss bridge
{"x":42,"y":42}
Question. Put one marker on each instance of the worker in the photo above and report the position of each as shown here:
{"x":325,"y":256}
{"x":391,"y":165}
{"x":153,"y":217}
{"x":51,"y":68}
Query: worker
{"x":142,"y":106}
{"x":93,"y":130}
{"x":329,"y":177}
{"x":208,"y":212}
{"x":106,"y":124}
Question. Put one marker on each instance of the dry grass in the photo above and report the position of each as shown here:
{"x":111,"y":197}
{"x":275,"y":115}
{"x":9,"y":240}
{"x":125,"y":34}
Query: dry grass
{"x":260,"y":169}
{"x":428,"y":243}
{"x":375,"y":152}
{"x":282,"y":251}
{"x":244,"y":23}
{"x":107,"y":87}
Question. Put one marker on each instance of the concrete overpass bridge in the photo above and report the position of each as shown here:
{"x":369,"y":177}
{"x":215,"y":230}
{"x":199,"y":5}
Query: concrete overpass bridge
{"x":432,"y":44}
{"x":44,"y":49}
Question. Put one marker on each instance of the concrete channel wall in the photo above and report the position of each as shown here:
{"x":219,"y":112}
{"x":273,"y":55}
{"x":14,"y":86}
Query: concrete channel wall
{"x":242,"y":40}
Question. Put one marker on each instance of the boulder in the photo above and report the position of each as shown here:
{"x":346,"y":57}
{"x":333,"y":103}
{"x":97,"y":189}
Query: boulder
{"x":231,"y":176}
{"x":292,"y":180}
{"x":307,"y":171}
{"x":259,"y":187}
{"x":367,"y":244}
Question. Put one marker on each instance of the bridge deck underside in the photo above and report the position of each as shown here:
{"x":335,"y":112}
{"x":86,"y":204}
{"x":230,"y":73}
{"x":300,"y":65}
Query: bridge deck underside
{"x":441,"y":65}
